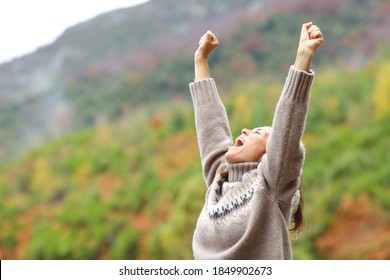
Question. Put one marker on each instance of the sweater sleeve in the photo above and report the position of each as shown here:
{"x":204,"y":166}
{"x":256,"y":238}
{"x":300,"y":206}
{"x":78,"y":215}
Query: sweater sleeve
{"x":212,"y":126}
{"x":283,"y":161}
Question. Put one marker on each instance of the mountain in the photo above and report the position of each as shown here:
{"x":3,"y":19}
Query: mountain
{"x":117,"y":173}
{"x":104,"y":67}
{"x":133,"y":188}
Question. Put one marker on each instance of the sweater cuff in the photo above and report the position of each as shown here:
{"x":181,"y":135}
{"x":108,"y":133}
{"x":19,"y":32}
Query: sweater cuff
{"x":204,"y":92}
{"x":298,"y":83}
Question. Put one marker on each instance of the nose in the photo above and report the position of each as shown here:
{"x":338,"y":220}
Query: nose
{"x":246,"y":131}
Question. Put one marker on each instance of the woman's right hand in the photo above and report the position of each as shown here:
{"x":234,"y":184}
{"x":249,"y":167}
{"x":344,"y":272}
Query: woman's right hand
{"x":207,"y":43}
{"x":311,"y":38}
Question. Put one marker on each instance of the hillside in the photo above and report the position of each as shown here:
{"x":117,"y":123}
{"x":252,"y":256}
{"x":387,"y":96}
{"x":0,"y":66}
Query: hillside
{"x":134,"y":189}
{"x":98,"y":146}
{"x":104,"y":67}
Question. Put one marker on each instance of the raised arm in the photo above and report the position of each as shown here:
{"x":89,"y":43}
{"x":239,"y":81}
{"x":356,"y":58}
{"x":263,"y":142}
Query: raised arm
{"x":284,"y":157}
{"x":207,"y":43}
{"x":311,"y":38}
{"x":212,"y":127}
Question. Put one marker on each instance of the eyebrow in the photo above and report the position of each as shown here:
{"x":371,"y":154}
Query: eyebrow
{"x":260,"y":129}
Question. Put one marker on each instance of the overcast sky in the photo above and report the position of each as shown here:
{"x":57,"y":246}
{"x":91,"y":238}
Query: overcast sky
{"x":26,"y":25}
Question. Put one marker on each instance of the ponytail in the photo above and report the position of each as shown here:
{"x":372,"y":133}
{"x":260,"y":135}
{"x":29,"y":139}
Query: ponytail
{"x":297,"y":218}
{"x":224,"y":173}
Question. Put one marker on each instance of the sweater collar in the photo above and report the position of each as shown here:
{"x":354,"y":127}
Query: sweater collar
{"x":237,"y":170}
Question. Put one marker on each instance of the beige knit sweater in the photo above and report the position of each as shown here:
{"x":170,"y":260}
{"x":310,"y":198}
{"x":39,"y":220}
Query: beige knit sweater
{"x":249,"y":216}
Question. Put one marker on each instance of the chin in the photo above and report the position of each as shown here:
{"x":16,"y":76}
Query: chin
{"x":232,"y":155}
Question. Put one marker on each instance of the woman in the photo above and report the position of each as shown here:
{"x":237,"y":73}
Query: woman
{"x":253,"y":185}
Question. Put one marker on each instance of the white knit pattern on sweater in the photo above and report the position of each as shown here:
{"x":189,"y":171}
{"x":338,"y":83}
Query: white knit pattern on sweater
{"x":237,"y":195}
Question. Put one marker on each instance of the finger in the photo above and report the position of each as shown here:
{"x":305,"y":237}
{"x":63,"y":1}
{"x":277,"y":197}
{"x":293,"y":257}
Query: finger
{"x":304,"y":30}
{"x":212,"y":38}
{"x":315,"y":34}
{"x":312,"y":28}
{"x":210,"y":34}
{"x":318,"y":41}
{"x":204,"y":34}
{"x":208,"y":37}
{"x":307,"y":25}
{"x":204,"y":37}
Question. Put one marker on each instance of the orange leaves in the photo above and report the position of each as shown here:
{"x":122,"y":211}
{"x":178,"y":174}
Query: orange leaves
{"x":359,"y":231}
{"x":176,"y":153}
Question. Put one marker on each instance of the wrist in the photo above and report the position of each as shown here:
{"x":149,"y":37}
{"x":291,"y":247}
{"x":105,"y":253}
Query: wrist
{"x":305,"y":53}
{"x":303,"y":59}
{"x":200,"y":57}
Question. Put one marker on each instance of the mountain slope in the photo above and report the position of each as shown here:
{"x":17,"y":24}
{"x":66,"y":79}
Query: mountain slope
{"x":133,"y":189}
{"x":103,"y":68}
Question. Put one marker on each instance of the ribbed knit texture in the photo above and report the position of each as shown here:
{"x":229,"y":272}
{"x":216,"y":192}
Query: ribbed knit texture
{"x":248,"y":217}
{"x":236,"y":171}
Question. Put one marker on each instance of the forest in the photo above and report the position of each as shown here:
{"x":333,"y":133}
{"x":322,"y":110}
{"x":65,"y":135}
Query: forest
{"x":124,"y":180}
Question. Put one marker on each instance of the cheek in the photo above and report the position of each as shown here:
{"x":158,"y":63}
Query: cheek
{"x":263,"y":145}
{"x":260,"y":148}
{"x":260,"y":144}
{"x":255,"y":152}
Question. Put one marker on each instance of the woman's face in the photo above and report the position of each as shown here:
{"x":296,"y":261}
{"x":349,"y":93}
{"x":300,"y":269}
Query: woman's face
{"x":249,"y":146}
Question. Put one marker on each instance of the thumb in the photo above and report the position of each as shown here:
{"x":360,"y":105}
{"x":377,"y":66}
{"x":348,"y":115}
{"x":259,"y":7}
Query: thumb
{"x":209,"y":35}
{"x":305,"y":27}
{"x":212,"y":38}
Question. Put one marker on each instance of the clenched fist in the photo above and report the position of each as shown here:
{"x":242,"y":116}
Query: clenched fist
{"x":310,"y":39}
{"x":207,"y":43}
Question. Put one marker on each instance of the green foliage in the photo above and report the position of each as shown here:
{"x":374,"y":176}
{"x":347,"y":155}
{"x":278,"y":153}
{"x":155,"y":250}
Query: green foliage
{"x":381,"y":98}
{"x":163,"y":243}
{"x":127,"y":182}
{"x":126,"y":245}
{"x":103,"y":69}
{"x":134,"y":188}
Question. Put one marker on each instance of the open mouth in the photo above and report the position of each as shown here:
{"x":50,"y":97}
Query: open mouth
{"x":239,"y":142}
